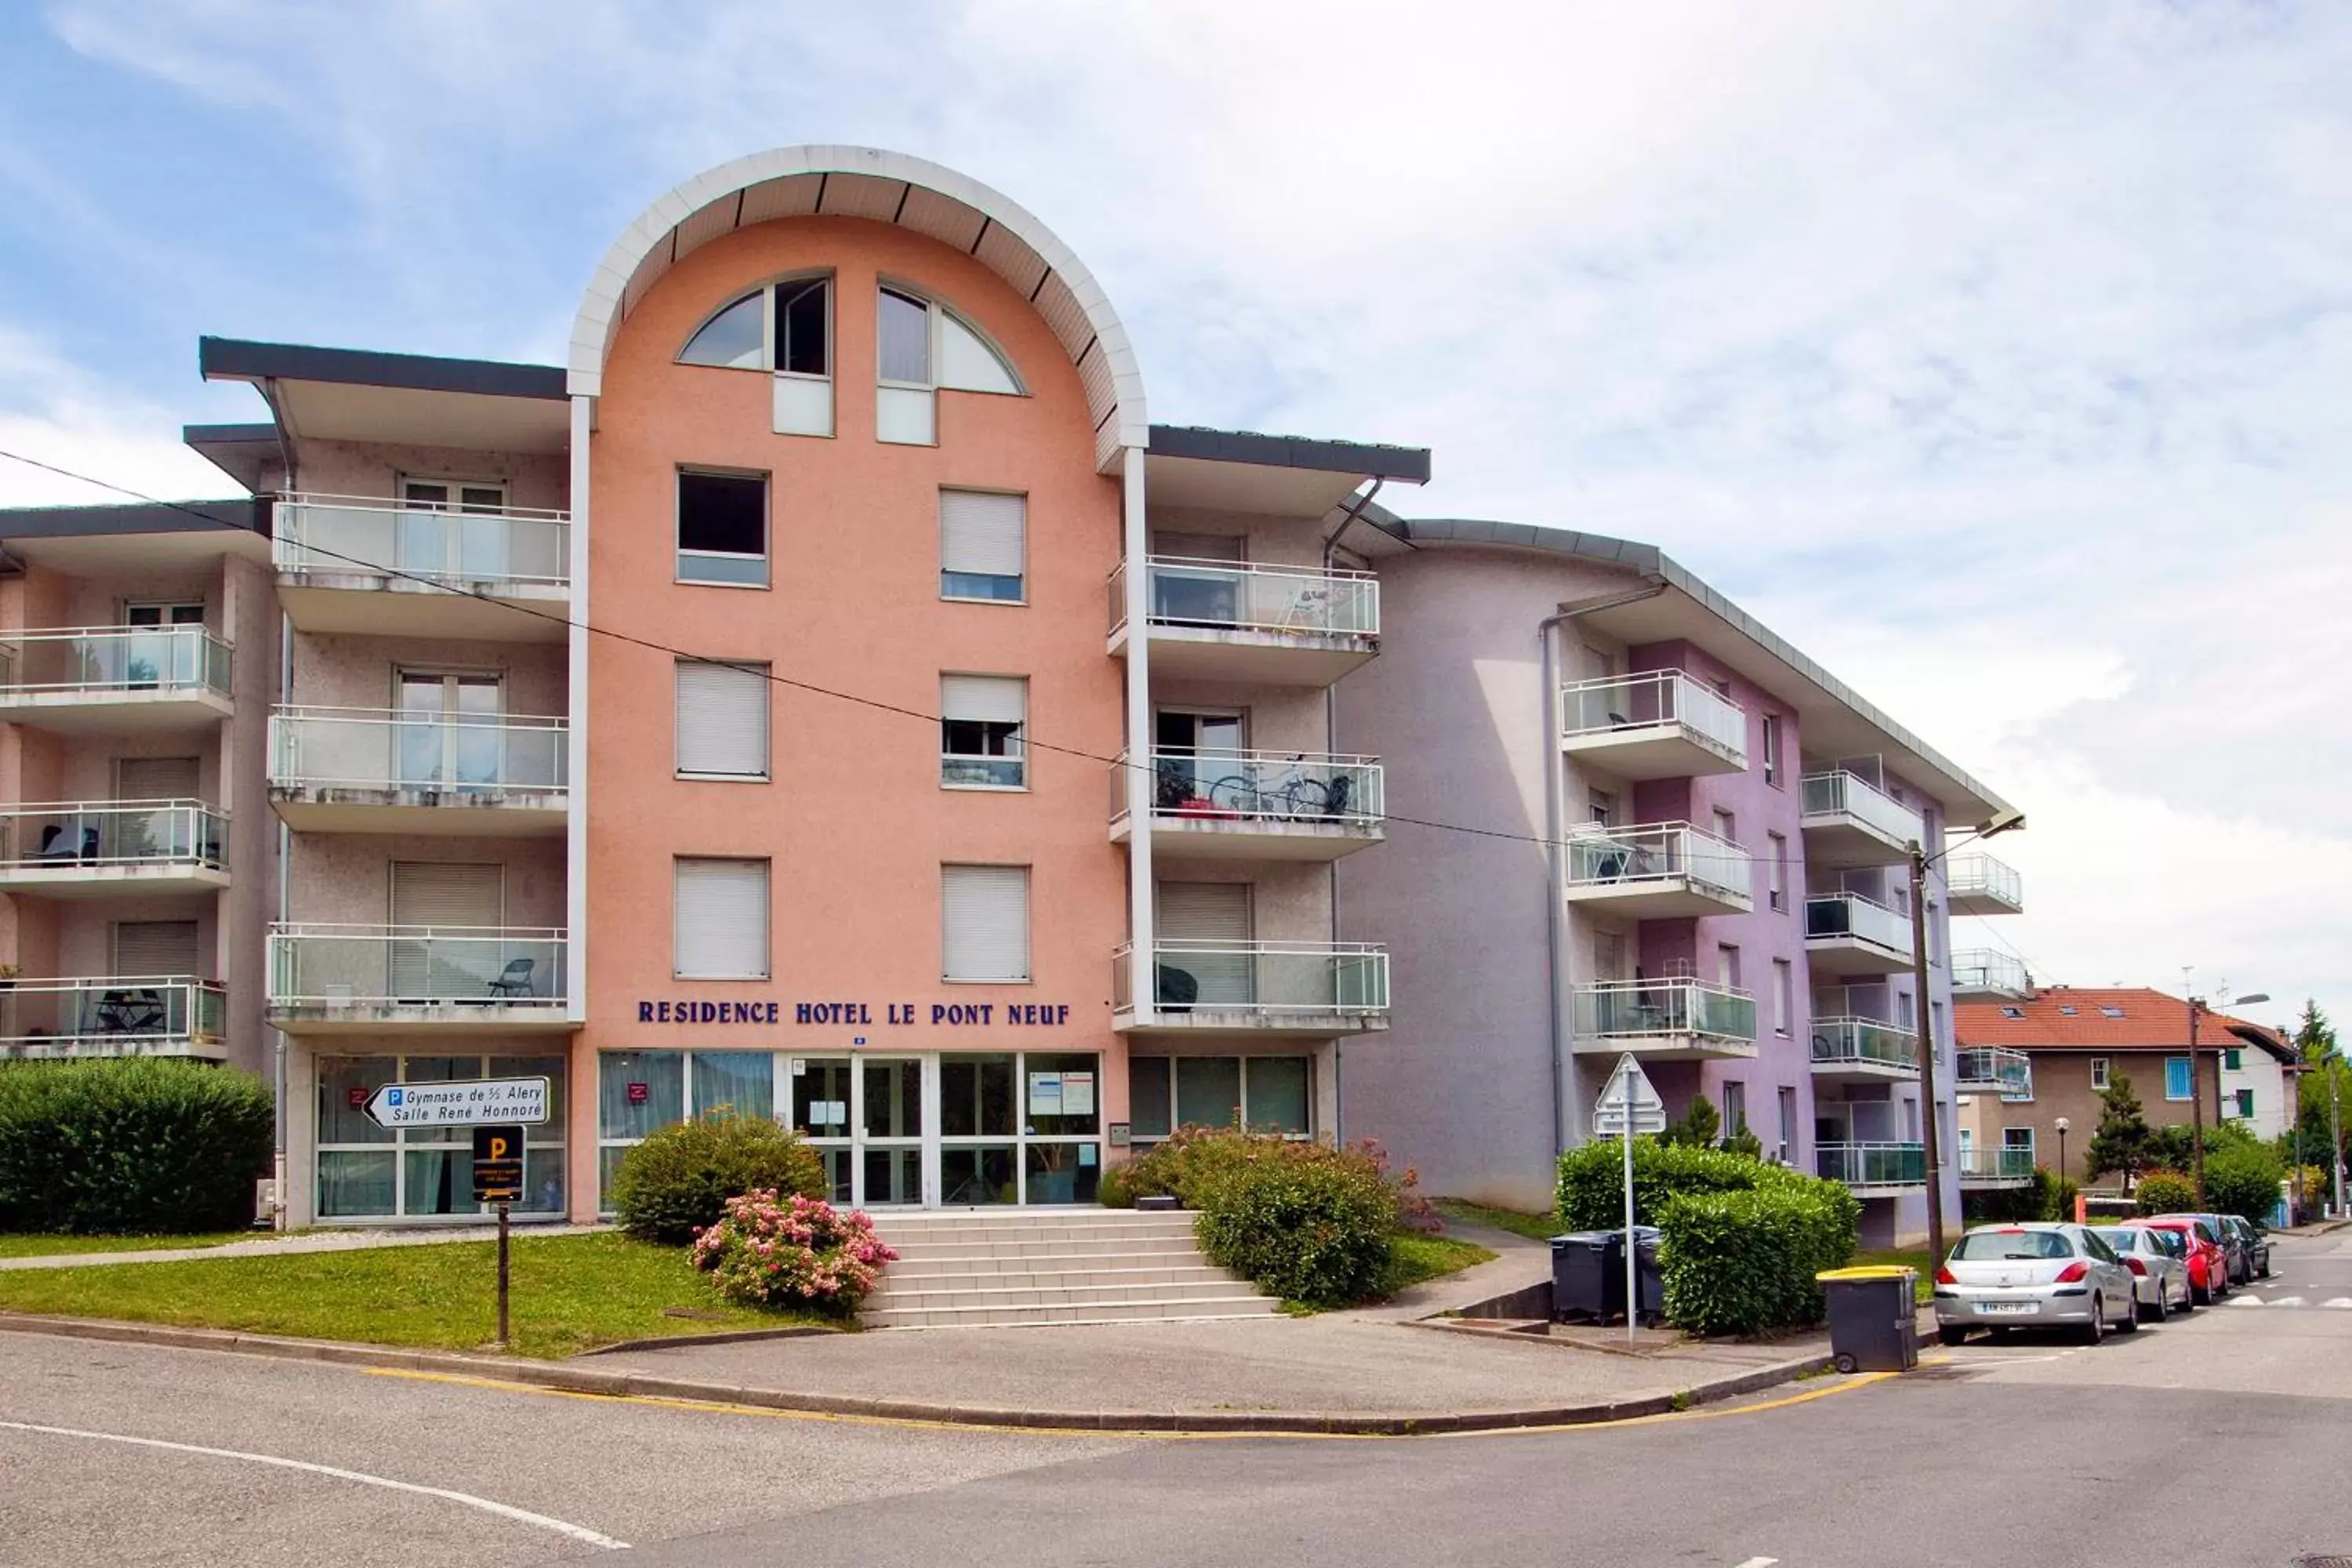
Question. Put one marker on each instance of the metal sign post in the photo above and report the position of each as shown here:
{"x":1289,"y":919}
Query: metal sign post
{"x":497,"y":1179}
{"x":1629,"y":1106}
{"x":498,"y":1109}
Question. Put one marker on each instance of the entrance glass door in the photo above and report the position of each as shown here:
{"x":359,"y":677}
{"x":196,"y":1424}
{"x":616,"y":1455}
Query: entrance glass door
{"x":819,"y":1113}
{"x":889,"y":1115}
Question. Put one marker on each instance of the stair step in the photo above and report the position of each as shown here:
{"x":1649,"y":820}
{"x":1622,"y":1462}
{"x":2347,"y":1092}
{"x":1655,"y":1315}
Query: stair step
{"x":1064,"y":1246}
{"x":1181,"y":1226}
{"x":928,"y":1297}
{"x":1141,"y":1311}
{"x":1067,"y":1271}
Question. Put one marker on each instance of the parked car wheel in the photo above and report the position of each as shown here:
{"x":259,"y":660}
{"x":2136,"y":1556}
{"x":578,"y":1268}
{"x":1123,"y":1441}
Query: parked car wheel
{"x":2266,"y":1265}
{"x":2129,"y":1323}
{"x":2098,"y":1330}
{"x":2199,"y":1296}
{"x":1952,"y":1336}
{"x":2163,"y":1308}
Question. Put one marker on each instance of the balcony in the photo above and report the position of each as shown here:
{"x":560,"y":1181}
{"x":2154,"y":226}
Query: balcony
{"x":359,"y":770}
{"x":115,"y":680}
{"x":163,"y":1015}
{"x":1674,"y":1019}
{"x":1846,"y":933}
{"x":1272,"y":626}
{"x":417,"y":980}
{"x":1661,"y":871}
{"x":1659,"y":724}
{"x":1254,"y":805}
{"x":1987,"y":1069}
{"x":1257,"y":989}
{"x":1873,"y":1168}
{"x":1863,"y":1050}
{"x":374,"y":566}
{"x":1985,"y":1170}
{"x":1980,"y":885}
{"x":1981,"y":974}
{"x":1850,"y":822}
{"x":96,"y":849}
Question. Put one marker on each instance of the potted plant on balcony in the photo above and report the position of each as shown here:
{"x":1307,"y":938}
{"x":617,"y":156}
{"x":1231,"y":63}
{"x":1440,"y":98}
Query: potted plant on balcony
{"x":8,"y":973}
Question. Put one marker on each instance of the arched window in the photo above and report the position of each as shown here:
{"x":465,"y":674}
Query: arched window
{"x":784,"y":328}
{"x":921,"y":348}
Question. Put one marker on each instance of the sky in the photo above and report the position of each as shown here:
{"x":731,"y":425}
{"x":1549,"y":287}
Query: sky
{"x":1995,"y":352}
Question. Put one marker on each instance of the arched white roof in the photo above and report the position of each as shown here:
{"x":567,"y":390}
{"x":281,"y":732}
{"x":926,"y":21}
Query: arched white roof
{"x":891,"y":187}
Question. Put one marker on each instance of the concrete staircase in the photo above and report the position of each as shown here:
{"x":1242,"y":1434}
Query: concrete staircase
{"x":1050,"y":1266}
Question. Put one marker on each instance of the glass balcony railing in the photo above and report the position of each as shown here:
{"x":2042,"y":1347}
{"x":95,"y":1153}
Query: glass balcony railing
{"x":1864,"y":1042}
{"x":1661,"y":852}
{"x":1990,"y":1069}
{"x":362,"y":748}
{"x":112,"y":833}
{"x":1224,"y":596}
{"x":1257,"y":786}
{"x":1981,"y":879}
{"x":476,"y":546}
{"x":1615,"y":1009}
{"x":1838,"y":795}
{"x":1852,"y":915}
{"x":110,"y":661}
{"x":1981,"y":972}
{"x":2002,"y":1164}
{"x":1873,"y":1164}
{"x":1614,"y":703}
{"x":376,"y":967}
{"x":116,"y":1015}
{"x":1271,"y":978}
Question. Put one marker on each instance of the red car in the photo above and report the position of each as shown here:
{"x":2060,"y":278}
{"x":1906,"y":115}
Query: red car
{"x":2208,"y":1265}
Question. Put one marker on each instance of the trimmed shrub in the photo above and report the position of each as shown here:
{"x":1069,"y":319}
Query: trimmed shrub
{"x":2243,"y":1178}
{"x":2167,"y":1192}
{"x":1736,"y":1263}
{"x":1592,"y":1180}
{"x":1307,"y":1222}
{"x":131,"y":1144}
{"x":2048,"y":1196}
{"x":678,"y":1180}
{"x":773,"y":1250}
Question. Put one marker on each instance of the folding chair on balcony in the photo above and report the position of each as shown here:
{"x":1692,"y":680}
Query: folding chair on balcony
{"x":513,"y":982}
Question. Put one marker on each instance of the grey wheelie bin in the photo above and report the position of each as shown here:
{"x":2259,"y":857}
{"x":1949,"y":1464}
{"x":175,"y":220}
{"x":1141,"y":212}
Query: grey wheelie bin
{"x":1874,"y":1318}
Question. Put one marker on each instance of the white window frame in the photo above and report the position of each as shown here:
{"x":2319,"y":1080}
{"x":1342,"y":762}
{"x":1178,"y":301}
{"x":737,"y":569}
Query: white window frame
{"x":545,"y":1138}
{"x":2103,"y":1072}
{"x":767,"y":724}
{"x":679,"y":552}
{"x":1018,"y":755}
{"x":1021,"y":577}
{"x":1028,"y":926}
{"x":1784,"y":996}
{"x":1772,"y":750}
{"x":1146,"y":1140}
{"x":768,"y":919}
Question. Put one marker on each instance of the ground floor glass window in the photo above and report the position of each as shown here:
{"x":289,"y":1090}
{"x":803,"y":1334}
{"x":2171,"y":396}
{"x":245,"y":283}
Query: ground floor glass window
{"x":1266,"y":1094}
{"x":366,"y":1172}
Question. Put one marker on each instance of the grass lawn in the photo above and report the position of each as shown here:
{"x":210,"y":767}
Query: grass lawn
{"x":1415,"y":1257}
{"x":1915,"y":1261}
{"x":1535,"y":1226}
{"x":571,"y":1293}
{"x":57,"y":1246}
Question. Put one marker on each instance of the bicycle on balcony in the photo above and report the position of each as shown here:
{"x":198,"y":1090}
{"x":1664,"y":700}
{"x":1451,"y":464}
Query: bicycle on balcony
{"x":1292,"y":792}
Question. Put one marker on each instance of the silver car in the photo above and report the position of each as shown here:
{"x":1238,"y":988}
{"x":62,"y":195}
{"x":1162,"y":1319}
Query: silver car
{"x":2036,"y":1276}
{"x":2159,"y":1260}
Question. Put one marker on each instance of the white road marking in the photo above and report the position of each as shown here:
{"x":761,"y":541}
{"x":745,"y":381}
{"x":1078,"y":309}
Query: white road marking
{"x":2286,"y":1301}
{"x":2245,"y":1301}
{"x":1757,"y":1562}
{"x":2337,"y":1302}
{"x":504,"y":1511}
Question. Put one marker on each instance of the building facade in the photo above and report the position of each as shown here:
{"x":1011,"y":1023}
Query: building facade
{"x":827,"y":696}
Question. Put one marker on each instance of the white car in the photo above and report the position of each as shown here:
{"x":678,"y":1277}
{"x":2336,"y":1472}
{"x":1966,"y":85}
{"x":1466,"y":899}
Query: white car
{"x":2038,"y":1276}
{"x":2159,"y":1260}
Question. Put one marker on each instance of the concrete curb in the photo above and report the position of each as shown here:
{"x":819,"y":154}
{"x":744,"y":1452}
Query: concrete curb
{"x":567,"y":1378}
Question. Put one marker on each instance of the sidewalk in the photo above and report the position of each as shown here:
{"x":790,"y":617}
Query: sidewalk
{"x":309,"y":1241}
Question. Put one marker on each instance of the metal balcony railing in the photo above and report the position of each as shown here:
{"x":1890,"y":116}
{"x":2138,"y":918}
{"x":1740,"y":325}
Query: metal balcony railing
{"x":1659,"y":852}
{"x":2003,"y":1163}
{"x":1649,"y":699}
{"x":1864,"y":1042}
{"x":363,"y":748}
{"x":1274,"y":978}
{"x":1873,"y":1164}
{"x":1827,"y":798}
{"x":119,"y":1015}
{"x":1992,"y":1070}
{"x":1852,"y":915}
{"x":112,"y":833}
{"x":109,"y":661}
{"x":1675,"y":1006}
{"x":332,"y":966}
{"x":1257,"y":786}
{"x":1225,"y":596}
{"x":1983,"y":877}
{"x":376,"y":535}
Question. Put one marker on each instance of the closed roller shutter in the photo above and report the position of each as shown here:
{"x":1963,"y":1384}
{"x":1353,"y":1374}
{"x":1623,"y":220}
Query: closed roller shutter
{"x":983,"y":535}
{"x":984,"y":917}
{"x":722,"y":719}
{"x":153,"y":949}
{"x":1211,"y":916}
{"x":721,"y":920}
{"x":462,"y":905}
{"x":984,"y":699}
{"x":155,"y":778}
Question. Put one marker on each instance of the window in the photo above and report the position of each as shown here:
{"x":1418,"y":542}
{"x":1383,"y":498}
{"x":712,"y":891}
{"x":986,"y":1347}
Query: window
{"x":1935,"y":1035}
{"x":721,"y":920}
{"x":1776,"y":871}
{"x":2012,"y":1012}
{"x":984,"y":924}
{"x":2177,"y":1078}
{"x":983,"y":545}
{"x":2102,"y":1072}
{"x":2111,"y":1012}
{"x":157,"y":950}
{"x":721,"y":719}
{"x":2066,"y":1009}
{"x":1726,"y":827}
{"x":1788,"y":1123}
{"x":1735,"y":1109}
{"x":922,"y":347}
{"x":981,"y":720}
{"x":2245,"y":1098}
{"x":1267,"y":1094}
{"x":2234,"y":1060}
{"x":1784,"y":996}
{"x":2018,"y":1138}
{"x":1601,"y":806}
{"x":1727,"y":965}
{"x":1904,"y":1015}
{"x":371,"y":1171}
{"x":787,"y":328}
{"x":1772,"y":749}
{"x":640,"y":1092}
{"x":722,"y":529}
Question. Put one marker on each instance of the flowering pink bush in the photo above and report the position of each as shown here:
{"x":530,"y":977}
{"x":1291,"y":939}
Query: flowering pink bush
{"x":793,"y":1251}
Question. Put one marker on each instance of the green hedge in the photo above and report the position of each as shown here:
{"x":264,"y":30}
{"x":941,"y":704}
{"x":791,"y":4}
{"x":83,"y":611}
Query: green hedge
{"x":2167,"y":1192}
{"x":1592,"y":1193}
{"x":130,"y":1145}
{"x":2048,"y":1196}
{"x":2243,"y":1178}
{"x":678,"y":1180}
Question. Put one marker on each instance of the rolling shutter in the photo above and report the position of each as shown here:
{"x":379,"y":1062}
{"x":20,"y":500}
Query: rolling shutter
{"x":984,"y":919}
{"x":985,"y":535}
{"x":984,"y":699}
{"x":463,"y":905}
{"x":155,"y":778}
{"x":722,"y":719}
{"x":154,"y":948}
{"x":1214,"y":916}
{"x":721,"y":930}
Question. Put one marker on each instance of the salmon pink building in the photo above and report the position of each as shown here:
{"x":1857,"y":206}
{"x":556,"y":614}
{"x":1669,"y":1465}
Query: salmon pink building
{"x":827,"y":695}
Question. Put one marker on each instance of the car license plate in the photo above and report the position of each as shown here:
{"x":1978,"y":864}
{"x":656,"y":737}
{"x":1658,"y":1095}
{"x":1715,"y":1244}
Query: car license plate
{"x":2000,"y":1306}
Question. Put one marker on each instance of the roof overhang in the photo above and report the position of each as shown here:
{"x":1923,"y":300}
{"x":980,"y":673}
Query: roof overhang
{"x":1285,"y":476}
{"x":357,"y":394}
{"x":87,"y":541}
{"x":1832,"y":719}
{"x":240,"y":451}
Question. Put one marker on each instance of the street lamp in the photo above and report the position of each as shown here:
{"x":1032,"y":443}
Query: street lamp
{"x":2196,"y":1088}
{"x":2000,"y":822}
{"x":2062,"y":1125}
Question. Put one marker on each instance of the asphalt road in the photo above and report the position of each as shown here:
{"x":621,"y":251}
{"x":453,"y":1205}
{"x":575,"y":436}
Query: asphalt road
{"x":2023,"y":1453}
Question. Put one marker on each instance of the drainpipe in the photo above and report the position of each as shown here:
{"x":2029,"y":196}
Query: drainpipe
{"x":281,"y":1201}
{"x":1567,"y":1116}
{"x":1331,"y":872}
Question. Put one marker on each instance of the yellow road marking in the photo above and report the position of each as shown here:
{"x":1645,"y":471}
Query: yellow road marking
{"x":716,"y":1407}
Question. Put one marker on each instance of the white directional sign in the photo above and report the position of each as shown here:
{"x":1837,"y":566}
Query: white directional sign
{"x":1629,"y":1094}
{"x":478,"y":1102}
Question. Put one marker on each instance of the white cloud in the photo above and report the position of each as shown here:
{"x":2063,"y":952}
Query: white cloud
{"x":54,"y":412}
